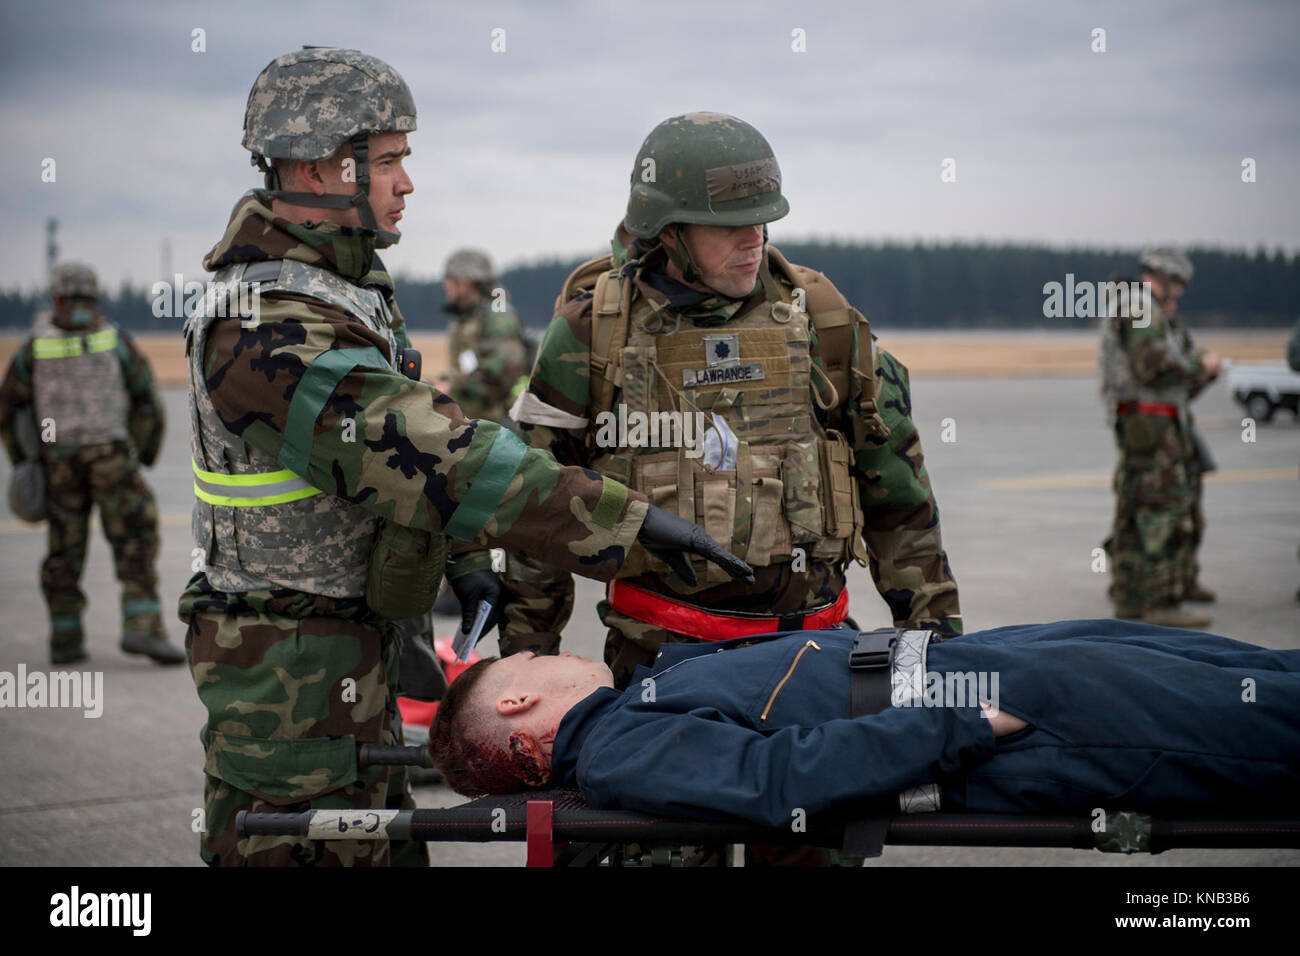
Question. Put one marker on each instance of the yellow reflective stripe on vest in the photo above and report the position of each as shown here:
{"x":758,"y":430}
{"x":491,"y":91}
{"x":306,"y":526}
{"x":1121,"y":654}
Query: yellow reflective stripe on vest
{"x":56,"y":348}
{"x":102,"y":341}
{"x":250,"y":491}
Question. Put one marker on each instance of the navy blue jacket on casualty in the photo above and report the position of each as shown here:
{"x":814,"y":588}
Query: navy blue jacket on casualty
{"x":1125,"y":716}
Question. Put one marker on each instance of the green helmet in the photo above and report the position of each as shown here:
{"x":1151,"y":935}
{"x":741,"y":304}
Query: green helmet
{"x":307,"y":104}
{"x":704,"y":168}
{"x":472,"y":264}
{"x":73,"y":279}
{"x":1168,"y":261}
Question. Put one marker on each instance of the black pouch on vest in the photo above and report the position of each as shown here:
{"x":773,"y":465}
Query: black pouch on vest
{"x":406,"y":568}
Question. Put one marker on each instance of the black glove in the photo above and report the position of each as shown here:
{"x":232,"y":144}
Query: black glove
{"x":479,"y":586}
{"x":666,"y":536}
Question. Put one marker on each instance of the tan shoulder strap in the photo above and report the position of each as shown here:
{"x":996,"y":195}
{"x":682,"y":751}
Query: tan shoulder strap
{"x":583,"y":278}
{"x":609,"y":323}
{"x":835,"y":322}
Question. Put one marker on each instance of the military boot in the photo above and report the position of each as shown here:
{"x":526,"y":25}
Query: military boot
{"x":67,"y":640}
{"x":1174,"y":616}
{"x":144,"y":634}
{"x":1194,"y":592}
{"x":63,"y":651}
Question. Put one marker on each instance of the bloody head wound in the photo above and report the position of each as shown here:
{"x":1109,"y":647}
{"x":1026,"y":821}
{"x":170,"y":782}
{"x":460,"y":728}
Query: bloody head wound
{"x":470,"y":766}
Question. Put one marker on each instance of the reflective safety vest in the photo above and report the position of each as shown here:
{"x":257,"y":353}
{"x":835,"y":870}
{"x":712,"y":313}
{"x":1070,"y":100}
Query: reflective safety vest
{"x":790,"y":486}
{"x":259,"y":523}
{"x":77,"y":382}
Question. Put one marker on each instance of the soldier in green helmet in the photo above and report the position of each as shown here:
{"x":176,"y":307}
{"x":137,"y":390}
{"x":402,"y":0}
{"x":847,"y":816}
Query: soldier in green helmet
{"x":488,"y":350}
{"x":811,"y":460}
{"x":1151,"y":370}
{"x":82,"y":383}
{"x":327,"y":482}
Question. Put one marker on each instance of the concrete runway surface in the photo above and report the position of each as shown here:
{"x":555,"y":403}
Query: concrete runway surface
{"x":1024,"y":492}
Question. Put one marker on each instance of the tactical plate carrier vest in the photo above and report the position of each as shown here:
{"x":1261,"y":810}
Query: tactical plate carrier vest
{"x":791,"y":486}
{"x":271,"y":528}
{"x":77,"y":381}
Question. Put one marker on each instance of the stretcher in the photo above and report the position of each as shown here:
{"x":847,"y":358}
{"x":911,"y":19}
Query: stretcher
{"x":559,"y":829}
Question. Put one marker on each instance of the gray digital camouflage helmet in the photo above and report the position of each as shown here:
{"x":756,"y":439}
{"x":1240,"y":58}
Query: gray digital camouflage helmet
{"x":73,"y":279}
{"x":472,"y":264}
{"x":1167,"y":261}
{"x":307,"y":104}
{"x":707,"y":169}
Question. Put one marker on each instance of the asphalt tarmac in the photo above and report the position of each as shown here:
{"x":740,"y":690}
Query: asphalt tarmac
{"x":1024,"y":491}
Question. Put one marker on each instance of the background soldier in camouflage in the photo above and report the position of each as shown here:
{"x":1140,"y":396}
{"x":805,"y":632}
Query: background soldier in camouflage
{"x":1199,"y":461}
{"x":703,"y":185}
{"x":488,"y":354}
{"x":488,"y":351}
{"x":305,"y":437}
{"x":92,"y":394}
{"x":1150,"y":372}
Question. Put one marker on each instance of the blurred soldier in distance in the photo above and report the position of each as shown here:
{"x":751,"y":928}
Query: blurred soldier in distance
{"x":90,"y":391}
{"x":487,"y":347}
{"x":1151,"y":371}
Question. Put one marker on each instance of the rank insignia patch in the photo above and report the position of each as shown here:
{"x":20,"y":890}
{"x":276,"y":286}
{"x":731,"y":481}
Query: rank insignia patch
{"x":722,"y":350}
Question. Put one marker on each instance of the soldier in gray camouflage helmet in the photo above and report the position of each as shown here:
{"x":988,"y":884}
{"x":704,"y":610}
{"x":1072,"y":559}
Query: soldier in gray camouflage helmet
{"x":1168,"y":262}
{"x":1172,"y":270}
{"x":325,"y":480}
{"x":472,"y":265}
{"x":1151,"y":371}
{"x":74,"y":280}
{"x":307,"y":105}
{"x":487,"y":349}
{"x":487,"y":346}
{"x":90,"y":388}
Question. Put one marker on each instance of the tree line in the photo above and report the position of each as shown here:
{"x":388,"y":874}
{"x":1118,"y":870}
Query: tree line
{"x":897,"y":286}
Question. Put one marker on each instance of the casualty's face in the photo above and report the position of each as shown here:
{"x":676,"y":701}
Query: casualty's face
{"x":557,"y":676}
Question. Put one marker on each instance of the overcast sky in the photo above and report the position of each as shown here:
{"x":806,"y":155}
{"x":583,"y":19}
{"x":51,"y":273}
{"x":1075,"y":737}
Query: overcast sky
{"x":527,"y":152}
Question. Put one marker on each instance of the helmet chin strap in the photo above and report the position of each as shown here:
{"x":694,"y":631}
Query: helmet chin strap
{"x":679,"y":254}
{"x":359,"y":200}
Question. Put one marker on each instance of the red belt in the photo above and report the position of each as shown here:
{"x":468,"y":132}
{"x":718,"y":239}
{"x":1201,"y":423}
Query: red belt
{"x":682,"y":618}
{"x":1148,"y":408}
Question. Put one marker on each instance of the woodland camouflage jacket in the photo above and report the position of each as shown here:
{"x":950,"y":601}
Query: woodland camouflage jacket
{"x":415,"y":459}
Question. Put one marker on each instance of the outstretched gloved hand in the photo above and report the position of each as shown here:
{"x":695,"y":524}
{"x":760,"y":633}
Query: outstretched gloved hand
{"x":667,"y":536}
{"x":479,"y":586}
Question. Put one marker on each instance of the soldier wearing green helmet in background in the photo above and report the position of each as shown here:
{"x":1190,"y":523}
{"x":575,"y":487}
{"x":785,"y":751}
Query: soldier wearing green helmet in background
{"x":812,"y":460}
{"x":326,"y":481}
{"x":81,"y":383}
{"x":1151,"y":371}
{"x":487,"y":347}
